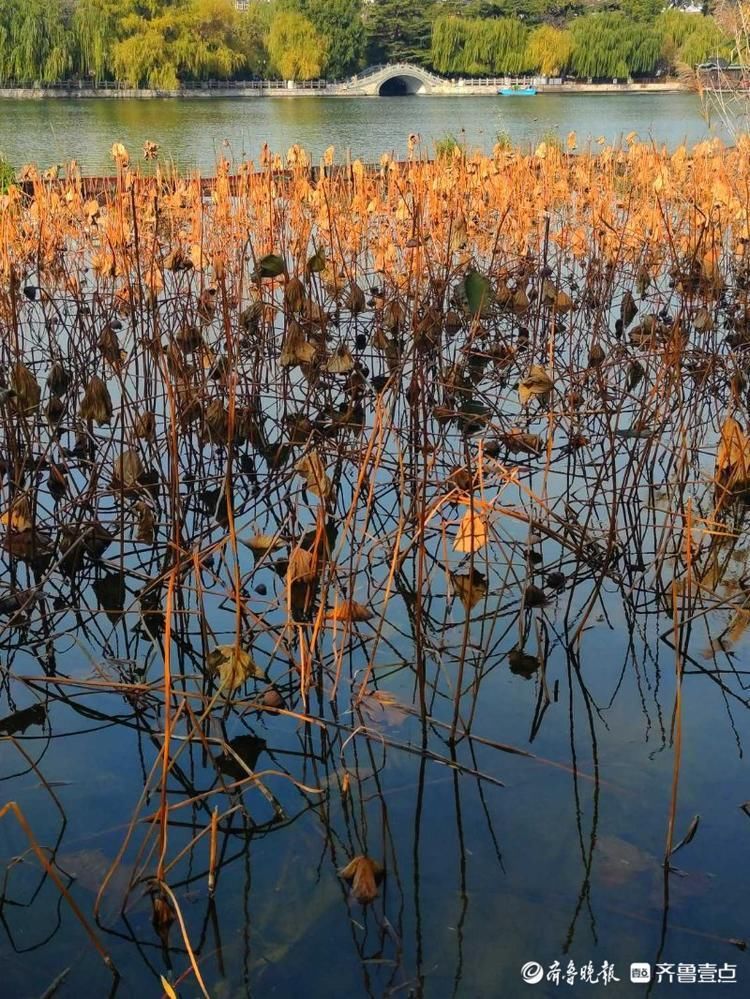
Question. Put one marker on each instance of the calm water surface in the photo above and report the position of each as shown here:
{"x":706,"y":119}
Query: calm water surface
{"x":195,"y":132}
{"x":561,"y":863}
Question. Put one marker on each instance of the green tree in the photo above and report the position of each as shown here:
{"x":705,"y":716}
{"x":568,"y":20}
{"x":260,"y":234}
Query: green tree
{"x":398,"y":31}
{"x":340,"y":22}
{"x":95,"y":26}
{"x":164,"y":43}
{"x":297,"y":50}
{"x":479,"y":47}
{"x":549,"y":50}
{"x":35,"y":41}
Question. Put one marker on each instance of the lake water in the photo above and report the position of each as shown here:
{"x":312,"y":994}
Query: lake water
{"x":539,"y":836}
{"x":197,"y":132}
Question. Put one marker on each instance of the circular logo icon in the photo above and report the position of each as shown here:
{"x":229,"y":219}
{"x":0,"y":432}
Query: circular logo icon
{"x":532,"y":972}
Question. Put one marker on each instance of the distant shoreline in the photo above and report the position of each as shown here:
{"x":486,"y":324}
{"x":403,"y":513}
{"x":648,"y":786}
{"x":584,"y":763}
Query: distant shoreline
{"x":454,"y":89}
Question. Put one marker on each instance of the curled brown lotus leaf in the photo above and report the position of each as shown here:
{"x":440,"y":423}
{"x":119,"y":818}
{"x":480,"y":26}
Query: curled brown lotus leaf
{"x":294,"y":295}
{"x":296,"y":348}
{"x":733,"y":455}
{"x":26,"y":388}
{"x":364,"y":874}
{"x":144,"y":426}
{"x":302,"y":567}
{"x":470,"y":587}
{"x":536,"y":385}
{"x":350,"y":610}
{"x":128,"y":469}
{"x":311,"y":468}
{"x":58,"y":379}
{"x":341,"y":361}
{"x":96,"y":405}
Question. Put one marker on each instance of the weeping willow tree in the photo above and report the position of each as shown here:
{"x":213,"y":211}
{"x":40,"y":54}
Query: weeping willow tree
{"x":95,"y":28}
{"x":549,"y":50}
{"x":690,"y":39}
{"x":297,"y":50}
{"x":477,"y":46}
{"x":188,"y":39}
{"x":35,"y":43}
{"x":612,"y":46}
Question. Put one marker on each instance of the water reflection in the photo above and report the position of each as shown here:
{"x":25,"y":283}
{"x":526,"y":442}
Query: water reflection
{"x":195,"y":133}
{"x":333,"y":576}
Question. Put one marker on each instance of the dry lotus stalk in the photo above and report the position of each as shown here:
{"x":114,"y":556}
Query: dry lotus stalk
{"x":96,"y":405}
{"x":312,"y":469}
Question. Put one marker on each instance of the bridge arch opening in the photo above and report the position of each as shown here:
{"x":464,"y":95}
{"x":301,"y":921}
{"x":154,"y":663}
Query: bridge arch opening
{"x":401,"y":86}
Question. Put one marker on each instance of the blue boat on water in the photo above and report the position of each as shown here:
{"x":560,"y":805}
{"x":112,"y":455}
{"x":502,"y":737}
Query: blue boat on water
{"x":517,"y":91}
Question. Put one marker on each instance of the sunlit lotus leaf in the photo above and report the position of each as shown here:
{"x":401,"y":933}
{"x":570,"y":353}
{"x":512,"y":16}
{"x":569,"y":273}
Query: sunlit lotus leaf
{"x":232,"y":664}
{"x":472,"y":532}
{"x":350,"y":610}
{"x":312,"y":469}
{"x":733,"y":455}
{"x":18,"y":517}
{"x":260,"y":544}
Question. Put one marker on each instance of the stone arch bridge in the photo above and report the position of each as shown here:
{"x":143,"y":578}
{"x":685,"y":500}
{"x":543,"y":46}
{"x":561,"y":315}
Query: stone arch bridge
{"x":395,"y":80}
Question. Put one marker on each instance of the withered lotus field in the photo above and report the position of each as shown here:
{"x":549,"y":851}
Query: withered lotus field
{"x":302,"y":468}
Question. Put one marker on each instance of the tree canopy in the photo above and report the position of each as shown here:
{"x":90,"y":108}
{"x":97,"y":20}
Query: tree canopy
{"x":159,"y":43}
